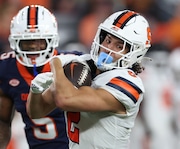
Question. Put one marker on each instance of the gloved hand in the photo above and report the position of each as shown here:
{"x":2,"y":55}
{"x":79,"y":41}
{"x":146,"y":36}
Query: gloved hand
{"x":41,"y":82}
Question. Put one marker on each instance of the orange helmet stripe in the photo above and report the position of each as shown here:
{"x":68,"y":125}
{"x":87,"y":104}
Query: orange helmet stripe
{"x":32,"y":17}
{"x":124,"y":18}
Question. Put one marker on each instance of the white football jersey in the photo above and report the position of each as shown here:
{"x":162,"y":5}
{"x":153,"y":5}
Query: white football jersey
{"x":107,"y":130}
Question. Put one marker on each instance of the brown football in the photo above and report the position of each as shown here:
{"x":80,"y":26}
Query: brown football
{"x":78,"y":73}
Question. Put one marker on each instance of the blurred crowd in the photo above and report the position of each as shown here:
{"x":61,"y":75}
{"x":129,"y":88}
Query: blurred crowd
{"x":158,"y":123}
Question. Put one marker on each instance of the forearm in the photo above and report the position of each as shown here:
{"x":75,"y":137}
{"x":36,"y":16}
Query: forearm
{"x":38,"y":106}
{"x":61,"y":88}
{"x":5,"y":135}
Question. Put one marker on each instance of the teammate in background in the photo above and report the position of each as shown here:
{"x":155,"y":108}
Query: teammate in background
{"x":174,"y":63}
{"x":33,"y":38}
{"x":156,"y":128}
{"x":100,"y":116}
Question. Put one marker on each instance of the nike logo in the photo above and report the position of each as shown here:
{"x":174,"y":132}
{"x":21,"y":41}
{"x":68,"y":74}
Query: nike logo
{"x":72,"y":69}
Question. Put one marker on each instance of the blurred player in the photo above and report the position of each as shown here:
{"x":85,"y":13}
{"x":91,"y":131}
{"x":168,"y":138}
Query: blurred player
{"x":157,"y":110}
{"x":174,"y":63}
{"x":33,"y":38}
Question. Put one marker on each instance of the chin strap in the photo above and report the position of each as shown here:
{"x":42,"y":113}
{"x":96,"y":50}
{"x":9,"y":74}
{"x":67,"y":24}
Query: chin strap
{"x":35,"y":70}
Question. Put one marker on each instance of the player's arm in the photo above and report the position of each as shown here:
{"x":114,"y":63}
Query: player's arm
{"x":39,"y":105}
{"x":83,"y":99}
{"x":40,"y":101}
{"x":6,"y":116}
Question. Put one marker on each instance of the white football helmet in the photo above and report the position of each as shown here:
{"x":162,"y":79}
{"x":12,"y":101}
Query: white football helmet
{"x":31,"y":23}
{"x":133,"y":29}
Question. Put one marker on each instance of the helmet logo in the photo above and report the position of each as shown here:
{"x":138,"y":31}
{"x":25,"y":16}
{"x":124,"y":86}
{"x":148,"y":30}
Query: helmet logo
{"x":115,"y":28}
{"x":31,"y":30}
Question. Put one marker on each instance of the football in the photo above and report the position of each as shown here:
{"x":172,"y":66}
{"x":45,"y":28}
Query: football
{"x":78,"y":73}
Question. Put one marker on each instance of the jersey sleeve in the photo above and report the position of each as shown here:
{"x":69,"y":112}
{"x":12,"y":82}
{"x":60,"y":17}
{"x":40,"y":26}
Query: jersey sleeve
{"x":126,"y":89}
{"x":7,"y":64}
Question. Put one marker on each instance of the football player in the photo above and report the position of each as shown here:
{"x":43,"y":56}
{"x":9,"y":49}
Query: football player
{"x":100,"y":116}
{"x":33,"y":38}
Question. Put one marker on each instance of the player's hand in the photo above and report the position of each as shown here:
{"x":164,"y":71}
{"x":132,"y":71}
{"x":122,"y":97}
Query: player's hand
{"x":41,"y":82}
